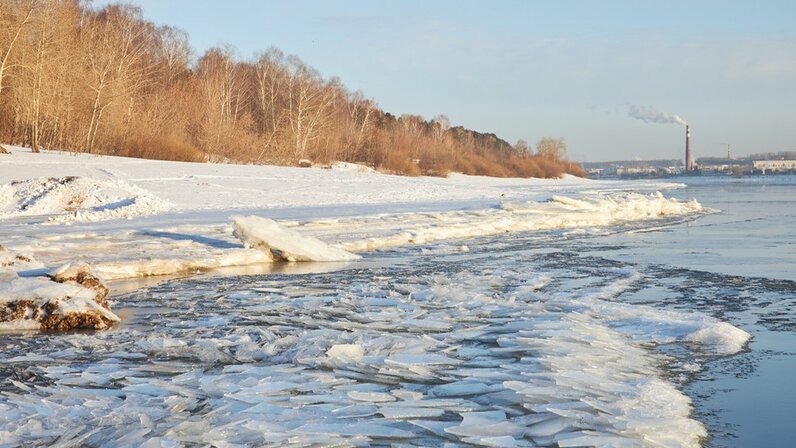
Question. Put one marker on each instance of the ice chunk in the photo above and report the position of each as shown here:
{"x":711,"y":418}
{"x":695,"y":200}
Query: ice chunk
{"x":346,"y":352}
{"x":363,"y":428}
{"x":463,"y":388}
{"x":549,"y":427}
{"x":285,"y":243}
{"x":723,"y":338}
{"x":486,"y":424}
{"x":374,"y":397}
{"x":499,"y":442}
{"x":404,"y":412}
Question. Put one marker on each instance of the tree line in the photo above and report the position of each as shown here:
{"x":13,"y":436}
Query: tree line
{"x":105,"y":80}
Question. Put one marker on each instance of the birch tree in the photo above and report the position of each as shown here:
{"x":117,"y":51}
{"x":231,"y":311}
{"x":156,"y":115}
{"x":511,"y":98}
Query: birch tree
{"x":15,"y":17}
{"x":115,"y":44}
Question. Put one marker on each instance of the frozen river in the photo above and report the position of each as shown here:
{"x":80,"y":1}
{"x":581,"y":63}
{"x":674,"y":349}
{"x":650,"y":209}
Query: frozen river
{"x":626,"y":335}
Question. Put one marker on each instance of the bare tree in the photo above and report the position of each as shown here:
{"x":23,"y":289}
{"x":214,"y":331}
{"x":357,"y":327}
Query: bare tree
{"x":522,"y":147}
{"x":310,"y":103}
{"x":115,"y":45}
{"x":174,"y":52}
{"x":441,"y":124}
{"x":14,"y":17}
{"x":31,"y":92}
{"x":552,"y":148}
{"x":360,"y":114}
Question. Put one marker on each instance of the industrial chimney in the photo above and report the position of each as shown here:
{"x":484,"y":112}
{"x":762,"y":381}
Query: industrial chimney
{"x":689,"y":163}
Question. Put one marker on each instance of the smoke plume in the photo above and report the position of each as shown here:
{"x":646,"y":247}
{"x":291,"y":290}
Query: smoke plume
{"x":650,"y":115}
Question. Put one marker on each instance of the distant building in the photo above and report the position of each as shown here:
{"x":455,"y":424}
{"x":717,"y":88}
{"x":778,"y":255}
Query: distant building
{"x":596,"y":172}
{"x":775,"y":166}
{"x":633,"y":168}
{"x":709,"y":165}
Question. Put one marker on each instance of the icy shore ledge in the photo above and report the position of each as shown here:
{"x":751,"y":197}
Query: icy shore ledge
{"x":202,"y":248}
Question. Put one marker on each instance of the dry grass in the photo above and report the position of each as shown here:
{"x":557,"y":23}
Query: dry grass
{"x":166,"y":147}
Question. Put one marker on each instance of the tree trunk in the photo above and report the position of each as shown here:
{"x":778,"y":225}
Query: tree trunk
{"x":95,"y":111}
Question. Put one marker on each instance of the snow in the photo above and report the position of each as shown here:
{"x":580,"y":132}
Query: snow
{"x":70,"y":199}
{"x":147,"y":267}
{"x":201,"y":186}
{"x":41,"y":289}
{"x":346,"y":352}
{"x":19,"y":325}
{"x":67,"y":298}
{"x":348,"y":166}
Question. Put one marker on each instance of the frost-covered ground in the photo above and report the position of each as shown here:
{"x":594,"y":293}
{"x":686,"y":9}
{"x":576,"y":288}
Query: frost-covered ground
{"x":466,"y":326}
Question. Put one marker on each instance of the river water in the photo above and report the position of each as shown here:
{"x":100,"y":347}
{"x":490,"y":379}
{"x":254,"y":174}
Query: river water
{"x":621,"y":336}
{"x":744,"y":262}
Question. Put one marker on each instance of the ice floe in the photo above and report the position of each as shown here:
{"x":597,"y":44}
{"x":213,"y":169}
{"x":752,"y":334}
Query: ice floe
{"x":490,"y":355}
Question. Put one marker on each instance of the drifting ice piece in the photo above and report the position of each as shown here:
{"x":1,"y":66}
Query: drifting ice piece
{"x":285,"y":244}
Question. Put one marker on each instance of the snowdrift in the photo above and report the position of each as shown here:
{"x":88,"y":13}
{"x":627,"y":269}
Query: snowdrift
{"x":71,"y":198}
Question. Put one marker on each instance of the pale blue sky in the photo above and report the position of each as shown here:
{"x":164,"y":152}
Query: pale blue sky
{"x":526,"y":69}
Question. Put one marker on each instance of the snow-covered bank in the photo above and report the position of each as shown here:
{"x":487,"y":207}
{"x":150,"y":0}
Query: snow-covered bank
{"x":185,"y":249}
{"x":41,"y":192}
{"x":205,"y":186}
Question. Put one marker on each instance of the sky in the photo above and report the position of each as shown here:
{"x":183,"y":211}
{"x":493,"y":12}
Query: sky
{"x":529,"y":69}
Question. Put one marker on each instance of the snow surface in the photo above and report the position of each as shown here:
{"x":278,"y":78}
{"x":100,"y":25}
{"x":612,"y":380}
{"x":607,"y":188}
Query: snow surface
{"x":201,"y":186}
{"x":69,"y":199}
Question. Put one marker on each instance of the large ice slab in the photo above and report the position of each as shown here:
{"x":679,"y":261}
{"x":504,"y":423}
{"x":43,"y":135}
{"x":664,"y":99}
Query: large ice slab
{"x":287,"y":244}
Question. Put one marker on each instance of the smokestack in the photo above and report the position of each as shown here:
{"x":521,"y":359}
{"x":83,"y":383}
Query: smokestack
{"x":689,"y":164}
